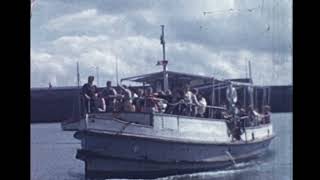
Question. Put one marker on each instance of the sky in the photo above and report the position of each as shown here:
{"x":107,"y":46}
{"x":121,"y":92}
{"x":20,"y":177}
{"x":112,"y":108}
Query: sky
{"x":204,"y":37}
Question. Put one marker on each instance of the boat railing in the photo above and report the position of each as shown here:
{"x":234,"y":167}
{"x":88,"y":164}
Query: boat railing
{"x":211,"y":112}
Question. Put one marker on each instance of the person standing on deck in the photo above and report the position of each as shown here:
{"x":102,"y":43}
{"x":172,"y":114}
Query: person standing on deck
{"x":187,"y":99}
{"x":194,"y":101}
{"x":88,"y":92}
{"x":202,"y":105}
{"x":168,"y":97}
{"x":127,"y":99}
{"x":244,"y":118}
{"x":109,"y":94}
{"x":174,"y":102}
{"x":138,"y":101}
{"x":150,"y":103}
{"x":266,"y":115}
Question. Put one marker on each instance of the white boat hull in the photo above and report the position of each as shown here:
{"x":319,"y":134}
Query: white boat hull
{"x":157,"y":146}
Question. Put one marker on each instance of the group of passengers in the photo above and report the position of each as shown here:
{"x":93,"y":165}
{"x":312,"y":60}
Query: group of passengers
{"x":241,"y":118}
{"x":184,"y":101}
{"x":249,"y":116}
{"x":124,"y":99}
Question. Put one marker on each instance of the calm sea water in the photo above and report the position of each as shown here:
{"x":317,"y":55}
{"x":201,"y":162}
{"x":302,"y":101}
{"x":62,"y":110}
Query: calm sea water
{"x":53,"y":156}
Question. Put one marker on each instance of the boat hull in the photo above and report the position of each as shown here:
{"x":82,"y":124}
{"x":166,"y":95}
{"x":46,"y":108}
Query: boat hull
{"x":109,"y":167}
{"x":121,"y":156}
{"x":70,"y":126}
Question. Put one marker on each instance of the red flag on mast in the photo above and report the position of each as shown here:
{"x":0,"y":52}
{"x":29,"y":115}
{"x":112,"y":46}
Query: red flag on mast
{"x":163,"y":62}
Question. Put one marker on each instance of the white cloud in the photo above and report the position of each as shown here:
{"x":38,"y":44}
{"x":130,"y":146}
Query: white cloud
{"x":95,"y":37}
{"x":86,"y":21}
{"x":138,"y":55}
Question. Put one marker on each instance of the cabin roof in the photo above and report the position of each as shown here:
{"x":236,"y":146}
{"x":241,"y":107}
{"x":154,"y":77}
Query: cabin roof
{"x":55,"y":88}
{"x":171,"y":75}
{"x":241,"y":80}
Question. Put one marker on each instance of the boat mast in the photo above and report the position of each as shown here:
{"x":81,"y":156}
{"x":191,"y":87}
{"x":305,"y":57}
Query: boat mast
{"x":117,"y":70}
{"x":251,"y":87}
{"x":97,"y":72}
{"x":78,"y":75}
{"x":212,"y":98}
{"x":250,"y":75}
{"x":164,"y":61}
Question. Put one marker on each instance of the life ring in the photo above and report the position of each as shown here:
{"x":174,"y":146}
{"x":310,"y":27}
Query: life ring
{"x":232,"y":94}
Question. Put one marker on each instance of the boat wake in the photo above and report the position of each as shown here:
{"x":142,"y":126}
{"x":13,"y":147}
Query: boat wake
{"x":230,"y":171}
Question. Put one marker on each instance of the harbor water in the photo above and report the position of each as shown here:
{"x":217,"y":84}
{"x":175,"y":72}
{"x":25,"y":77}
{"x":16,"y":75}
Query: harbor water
{"x":53,"y":156}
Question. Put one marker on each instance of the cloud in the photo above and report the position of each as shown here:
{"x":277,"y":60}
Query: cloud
{"x":86,"y":21}
{"x":137,"y":55}
{"x":96,"y":33}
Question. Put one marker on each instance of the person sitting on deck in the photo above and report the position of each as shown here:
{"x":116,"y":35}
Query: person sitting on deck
{"x":88,"y":91}
{"x":244,"y":119}
{"x":253,"y":116}
{"x":99,"y":103}
{"x":133,"y":92}
{"x":109,"y":94}
{"x":162,"y":102}
{"x":128,"y":107}
{"x":266,"y":115}
{"x":150,"y":103}
{"x":226,"y":115}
